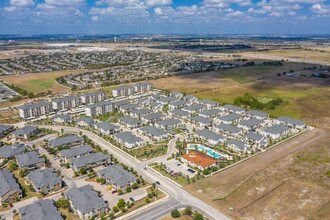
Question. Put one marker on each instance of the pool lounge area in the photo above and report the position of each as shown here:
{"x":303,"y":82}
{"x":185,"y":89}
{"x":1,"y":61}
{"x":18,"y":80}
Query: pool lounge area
{"x":210,"y":152}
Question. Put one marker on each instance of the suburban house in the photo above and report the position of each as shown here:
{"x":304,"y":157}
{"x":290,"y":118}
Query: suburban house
{"x":72,"y":140}
{"x":66,"y":103}
{"x":168,"y":124}
{"x":9,"y":188}
{"x":178,"y":113}
{"x":5,"y":129}
{"x":228,"y":119}
{"x":89,"y":160}
{"x":190,"y":98}
{"x":107,"y":128}
{"x":233,"y":109}
{"x":201,"y":121}
{"x":254,"y":138}
{"x":137,"y":113}
{"x":30,"y":160}
{"x":256,"y":114}
{"x":276,"y":131}
{"x":128,"y":139}
{"x":228,"y":130}
{"x":75,"y":152}
{"x":10,"y":151}
{"x":45,"y":181}
{"x":156,"y":106}
{"x":99,"y":108}
{"x":61,"y":119}
{"x":26,"y":132}
{"x":238,"y":146}
{"x":93,"y":97}
{"x":177,"y":95}
{"x":153,"y":117}
{"x":123,"y":91}
{"x":166,"y":100}
{"x":154,"y":133}
{"x":85,"y":122}
{"x":250,"y":124}
{"x":195,"y":108}
{"x":119,"y":103}
{"x":141,"y":101}
{"x":40,"y":210}
{"x":211,"y":113}
{"x":293,"y":123}
{"x":117,"y":176}
{"x":129,"y":122}
{"x":142,"y":87}
{"x":35,"y":110}
{"x":199,"y":160}
{"x":128,"y":108}
{"x":209,"y":103}
{"x":178,"y":104}
{"x":210,"y":137}
{"x":86,"y":202}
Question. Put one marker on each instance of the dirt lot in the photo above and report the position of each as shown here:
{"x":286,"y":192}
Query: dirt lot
{"x":289,"y":181}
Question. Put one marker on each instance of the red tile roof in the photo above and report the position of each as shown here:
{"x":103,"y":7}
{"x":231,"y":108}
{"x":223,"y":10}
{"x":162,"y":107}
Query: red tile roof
{"x":199,"y":159}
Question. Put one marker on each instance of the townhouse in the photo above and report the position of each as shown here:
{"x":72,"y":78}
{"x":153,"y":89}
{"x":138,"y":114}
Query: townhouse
{"x":257,"y":114}
{"x":177,"y":95}
{"x":9,"y":188}
{"x":45,"y":181}
{"x":211,"y":113}
{"x":129,"y":122}
{"x":107,"y":128}
{"x":40,"y":210}
{"x":233,"y":109}
{"x":276,"y":131}
{"x":35,"y":110}
{"x":138,"y":113}
{"x":156,"y":106}
{"x":86,"y":202}
{"x":190,"y":98}
{"x":227,"y":119}
{"x":68,"y":141}
{"x":85,"y":122}
{"x":168,"y":124}
{"x":89,"y":161}
{"x":254,"y":138}
{"x":154,"y":132}
{"x":26,"y":132}
{"x":195,"y":108}
{"x":199,"y":160}
{"x":5,"y":129}
{"x":128,"y":108}
{"x":238,"y":146}
{"x":119,"y":103}
{"x":123,"y":91}
{"x":180,"y":114}
{"x":66,"y":103}
{"x":10,"y":151}
{"x":99,"y":108}
{"x":93,"y":97}
{"x":201,"y":121}
{"x":166,"y":100}
{"x":293,"y":123}
{"x":75,"y":152}
{"x":128,"y":139}
{"x":30,"y":160}
{"x":210,"y":137}
{"x":251,"y":124}
{"x":153,"y":117}
{"x":228,"y":130}
{"x":178,"y":104}
{"x":209,"y":103}
{"x":117,"y":176}
{"x":61,"y":119}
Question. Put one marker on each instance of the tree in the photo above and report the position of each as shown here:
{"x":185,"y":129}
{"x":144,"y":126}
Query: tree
{"x":198,"y":216}
{"x":115,"y":209}
{"x":135,"y":186}
{"x":147,"y":200}
{"x":12,"y":167}
{"x":128,"y":189}
{"x":175,"y":213}
{"x":188,"y":211}
{"x":82,"y":170}
{"x":121,"y":203}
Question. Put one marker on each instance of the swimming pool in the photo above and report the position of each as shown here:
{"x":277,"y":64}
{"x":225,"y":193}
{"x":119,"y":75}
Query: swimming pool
{"x":210,"y":152}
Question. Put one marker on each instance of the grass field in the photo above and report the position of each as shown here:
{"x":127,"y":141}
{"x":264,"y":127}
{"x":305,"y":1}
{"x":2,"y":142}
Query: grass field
{"x":40,"y":82}
{"x":150,"y":151}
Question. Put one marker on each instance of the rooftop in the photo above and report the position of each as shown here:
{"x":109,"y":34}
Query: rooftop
{"x":199,"y":159}
{"x":117,"y":175}
{"x":40,"y":210}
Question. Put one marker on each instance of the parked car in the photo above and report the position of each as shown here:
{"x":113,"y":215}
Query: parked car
{"x":132,"y":200}
{"x":158,"y":183}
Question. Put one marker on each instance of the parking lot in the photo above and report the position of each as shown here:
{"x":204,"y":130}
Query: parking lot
{"x":175,"y":166}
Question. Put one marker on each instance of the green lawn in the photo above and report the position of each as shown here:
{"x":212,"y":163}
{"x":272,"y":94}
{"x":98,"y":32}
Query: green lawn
{"x":150,"y":151}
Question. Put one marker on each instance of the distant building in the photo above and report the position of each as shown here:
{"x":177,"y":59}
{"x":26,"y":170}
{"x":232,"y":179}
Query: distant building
{"x":45,"y":181}
{"x":199,"y":160}
{"x":35,"y":110}
{"x":142,"y":87}
{"x":99,"y":108}
{"x":93,"y":97}
{"x":40,"y":210}
{"x":9,"y":188}
{"x":30,"y":160}
{"x":117,"y":176}
{"x":26,"y":132}
{"x":123,"y":91}
{"x":72,"y":140}
{"x":66,"y":103}
{"x":128,"y":139}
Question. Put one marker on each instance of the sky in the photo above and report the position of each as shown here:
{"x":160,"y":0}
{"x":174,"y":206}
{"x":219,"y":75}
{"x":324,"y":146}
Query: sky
{"x":165,"y":16}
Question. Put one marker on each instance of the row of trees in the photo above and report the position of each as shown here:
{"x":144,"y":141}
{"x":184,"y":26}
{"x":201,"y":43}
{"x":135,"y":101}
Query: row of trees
{"x":175,"y":213}
{"x":251,"y":102}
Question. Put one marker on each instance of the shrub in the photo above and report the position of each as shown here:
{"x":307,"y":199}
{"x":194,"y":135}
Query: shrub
{"x":147,"y":200}
{"x":115,"y":209}
{"x":175,"y":213}
{"x":188,"y":211}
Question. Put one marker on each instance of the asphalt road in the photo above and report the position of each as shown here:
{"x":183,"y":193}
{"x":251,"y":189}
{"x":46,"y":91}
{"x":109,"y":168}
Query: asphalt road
{"x":176,"y":193}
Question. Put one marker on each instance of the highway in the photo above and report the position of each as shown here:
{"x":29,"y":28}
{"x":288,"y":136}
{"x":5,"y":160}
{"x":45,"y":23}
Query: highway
{"x":178,"y":196}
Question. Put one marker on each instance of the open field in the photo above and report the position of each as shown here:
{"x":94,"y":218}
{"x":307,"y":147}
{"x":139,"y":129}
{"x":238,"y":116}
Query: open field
{"x":289,"y":181}
{"x":40,"y":82}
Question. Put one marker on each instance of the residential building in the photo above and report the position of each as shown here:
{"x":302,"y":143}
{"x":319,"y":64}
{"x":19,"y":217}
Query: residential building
{"x":137,"y":113}
{"x":276,"y":131}
{"x":168,"y":124}
{"x":10,"y":151}
{"x":180,"y":114}
{"x":129,"y":122}
{"x":156,"y":106}
{"x":61,"y":119}
{"x":5,"y":129}
{"x":199,"y":160}
{"x":9,"y":188}
{"x":254,"y":138}
{"x":26,"y":132}
{"x":35,"y":110}
{"x":89,"y":160}
{"x":233,"y":109}
{"x":228,"y":130}
{"x":195,"y":108}
{"x":177,"y":95}
{"x":211,"y":113}
{"x":238,"y":146}
{"x":227,"y":119}
{"x":128,"y":139}
{"x":85,"y":122}
{"x":30,"y":160}
{"x":66,"y":103}
{"x":153,"y":117}
{"x":178,"y":104}
{"x":45,"y":181}
{"x":75,"y":152}
{"x":293,"y":123}
{"x":99,"y":108}
{"x":86,"y":202}
{"x":70,"y":141}
{"x":128,"y":108}
{"x":117,"y":176}
{"x":250,"y":124}
{"x":93,"y":97}
{"x":166,"y":100}
{"x":190,"y":98}
{"x":209,"y":103}
{"x":107,"y":128}
{"x":142,"y":87}
{"x":201,"y":121}
{"x":40,"y":210}
{"x":210,"y":137}
{"x":123,"y":91}
{"x":257,"y":114}
{"x":154,"y":133}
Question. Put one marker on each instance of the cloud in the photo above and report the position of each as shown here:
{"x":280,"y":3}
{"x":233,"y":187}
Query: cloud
{"x":226,"y":3}
{"x":95,"y":18}
{"x":153,"y":3}
{"x":320,"y":9}
{"x":22,"y":3}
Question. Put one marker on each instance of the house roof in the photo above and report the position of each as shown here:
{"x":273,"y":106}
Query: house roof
{"x":194,"y":107}
{"x":128,"y":137}
{"x":100,"y":104}
{"x":153,"y":131}
{"x":229,"y":128}
{"x":208,"y":102}
{"x":120,"y":103}
{"x":153,"y":116}
{"x":76,"y":151}
{"x":26,"y":130}
{"x":254,"y":136}
{"x":5,"y":128}
{"x":180,"y":113}
{"x":66,"y":98}
{"x":40,"y":210}
{"x":129,"y":106}
{"x":129,"y":120}
{"x":202,"y":120}
{"x":291,"y":121}
{"x":87,"y":159}
{"x":251,"y":122}
{"x":44,"y":178}
{"x":65,"y":140}
{"x":117,"y":175}
{"x":179,"y":103}
{"x":8,"y":182}
{"x":168,"y":122}
{"x":106,"y":126}
{"x":142,"y":111}
{"x":166,"y":99}
{"x":199,"y":159}
{"x":63,"y":117}
{"x":230,"y":117}
{"x":86,"y":120}
{"x":207,"y":134}
{"x":210,"y":112}
{"x":257,"y":113}
{"x":85,"y":199}
{"x":233,"y":108}
{"x":29,"y":158}
{"x":189,"y":97}
{"x":34,"y":105}
{"x":9,"y":151}
{"x":238,"y":143}
{"x":276,"y":129}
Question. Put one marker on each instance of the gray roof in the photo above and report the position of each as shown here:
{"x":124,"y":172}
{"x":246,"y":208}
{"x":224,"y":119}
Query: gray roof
{"x":123,"y":87}
{"x":291,"y":121}
{"x":129,"y":120}
{"x":194,"y":107}
{"x":76,"y":151}
{"x":87,"y":159}
{"x":169,"y":122}
{"x":26,"y":130}
{"x":153,"y":131}
{"x":238,"y":143}
{"x":230,"y":117}
{"x":117,"y":175}
{"x":229,"y":128}
{"x":210,"y":112}
{"x":166,"y":99}
{"x":209,"y":135}
{"x":155,"y":96}
{"x":85,"y":199}
{"x":86,"y":120}
{"x":189,"y":97}
{"x":251,"y":122}
{"x":254,"y":136}
{"x":176,"y":94}
{"x":180,"y":113}
{"x":128,"y":137}
{"x":9,"y":151}
{"x":142,"y":111}
{"x":208,"y":102}
{"x":40,"y":210}
{"x":121,"y":103}
{"x":153,"y":116}
{"x":276,"y":129}
{"x":106,"y":126}
{"x":29,"y":158}
{"x":179,"y":103}
{"x":100,"y":104}
{"x":5,"y":128}
{"x":65,"y":140}
{"x":44,"y":178}
{"x":154,"y":104}
{"x":129,"y":106}
{"x":257,"y":113}
{"x":8,"y":182}
{"x":66,"y":98}
{"x":93,"y":93}
{"x":63,"y":117}
{"x":233,"y":108}
{"x":200,"y":119}
{"x":34,"y":105}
